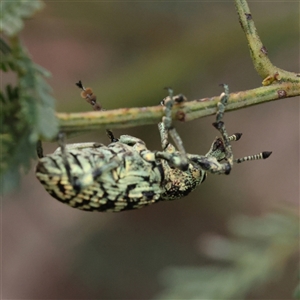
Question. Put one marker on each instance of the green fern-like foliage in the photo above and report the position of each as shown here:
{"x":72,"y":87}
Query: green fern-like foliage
{"x":13,"y":13}
{"x":258,"y":253}
{"x":27,"y":107}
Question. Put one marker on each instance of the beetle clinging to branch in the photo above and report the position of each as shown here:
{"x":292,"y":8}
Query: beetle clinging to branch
{"x":126,"y":175}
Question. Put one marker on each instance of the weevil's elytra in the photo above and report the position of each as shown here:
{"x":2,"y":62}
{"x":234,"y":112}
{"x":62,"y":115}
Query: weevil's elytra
{"x":126,"y":175}
{"x":113,"y":177}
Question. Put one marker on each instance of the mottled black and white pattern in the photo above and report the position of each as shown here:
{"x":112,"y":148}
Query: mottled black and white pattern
{"x":135,"y":179}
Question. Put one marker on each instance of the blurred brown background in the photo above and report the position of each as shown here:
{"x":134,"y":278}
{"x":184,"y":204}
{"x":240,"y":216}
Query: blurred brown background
{"x":128,"y":52}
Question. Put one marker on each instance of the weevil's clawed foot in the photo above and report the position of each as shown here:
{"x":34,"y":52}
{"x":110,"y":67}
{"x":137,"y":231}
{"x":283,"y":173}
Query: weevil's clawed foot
{"x":179,"y":98}
{"x":167,"y":124}
{"x":226,"y":88}
{"x":175,"y":99}
{"x":111,"y":136}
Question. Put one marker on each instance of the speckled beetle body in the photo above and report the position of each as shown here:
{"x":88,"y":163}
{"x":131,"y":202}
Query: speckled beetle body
{"x":133,"y":177}
{"x":126,"y":175}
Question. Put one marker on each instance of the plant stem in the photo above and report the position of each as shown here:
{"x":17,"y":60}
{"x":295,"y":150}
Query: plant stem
{"x":277,"y":84}
{"x":191,"y":110}
{"x":258,"y":51}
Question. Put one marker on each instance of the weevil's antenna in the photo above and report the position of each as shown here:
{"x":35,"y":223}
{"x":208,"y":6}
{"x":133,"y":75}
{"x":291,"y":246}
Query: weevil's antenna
{"x":262,"y":155}
{"x":90,"y":97}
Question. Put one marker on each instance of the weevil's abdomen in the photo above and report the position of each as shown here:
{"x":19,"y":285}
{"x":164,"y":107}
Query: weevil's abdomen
{"x":133,"y":183}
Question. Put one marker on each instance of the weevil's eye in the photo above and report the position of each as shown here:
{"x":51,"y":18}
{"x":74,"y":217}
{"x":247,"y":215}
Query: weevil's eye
{"x":218,"y":145}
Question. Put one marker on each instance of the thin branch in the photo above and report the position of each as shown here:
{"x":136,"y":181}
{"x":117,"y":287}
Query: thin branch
{"x":278,"y":84}
{"x":258,"y":51}
{"x":191,"y":110}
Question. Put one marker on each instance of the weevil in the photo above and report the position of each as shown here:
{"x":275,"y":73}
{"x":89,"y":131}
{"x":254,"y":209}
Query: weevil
{"x":125,"y":175}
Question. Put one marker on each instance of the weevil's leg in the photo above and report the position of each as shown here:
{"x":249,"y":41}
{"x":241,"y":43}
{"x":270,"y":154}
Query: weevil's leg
{"x":165,"y":144}
{"x":222,"y":103}
{"x":39,"y":149}
{"x":220,"y":126}
{"x":167,"y":123}
{"x":173,"y":159}
{"x":106,"y":168}
{"x":262,"y":155}
{"x":89,"y":178}
{"x":163,"y":135}
{"x":220,"y":148}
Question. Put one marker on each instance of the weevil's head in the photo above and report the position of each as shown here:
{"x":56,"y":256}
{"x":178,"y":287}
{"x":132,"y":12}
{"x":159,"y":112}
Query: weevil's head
{"x":211,"y":161}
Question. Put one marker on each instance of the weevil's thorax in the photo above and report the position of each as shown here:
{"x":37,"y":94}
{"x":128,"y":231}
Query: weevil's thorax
{"x":178,"y":183}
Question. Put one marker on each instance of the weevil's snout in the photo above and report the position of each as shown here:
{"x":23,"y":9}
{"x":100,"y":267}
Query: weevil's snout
{"x":217,"y":150}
